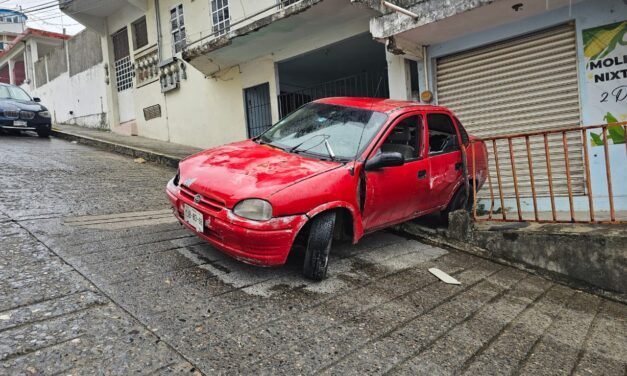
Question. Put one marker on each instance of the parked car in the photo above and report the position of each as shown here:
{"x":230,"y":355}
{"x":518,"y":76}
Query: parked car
{"x":19,"y":112}
{"x":336,"y":167}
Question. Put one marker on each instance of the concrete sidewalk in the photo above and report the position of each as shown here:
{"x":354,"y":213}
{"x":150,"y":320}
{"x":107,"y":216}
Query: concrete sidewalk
{"x":162,"y":152}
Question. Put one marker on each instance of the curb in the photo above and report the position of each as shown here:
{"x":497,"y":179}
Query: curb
{"x":150,"y":156}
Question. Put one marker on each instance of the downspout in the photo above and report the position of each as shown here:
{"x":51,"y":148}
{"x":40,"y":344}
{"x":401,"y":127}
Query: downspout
{"x":160,"y":58}
{"x":425,"y":61}
{"x":158,"y":20}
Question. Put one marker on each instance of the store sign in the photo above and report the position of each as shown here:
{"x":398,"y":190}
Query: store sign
{"x":605,"y":51}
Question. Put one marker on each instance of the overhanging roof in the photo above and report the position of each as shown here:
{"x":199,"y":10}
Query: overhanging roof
{"x":283,"y":29}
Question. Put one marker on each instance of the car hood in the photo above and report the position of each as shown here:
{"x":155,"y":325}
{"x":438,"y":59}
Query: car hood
{"x":241,"y":170}
{"x":21,"y":105}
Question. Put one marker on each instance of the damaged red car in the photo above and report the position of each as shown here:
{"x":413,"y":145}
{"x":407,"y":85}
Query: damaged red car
{"x":335,"y":168}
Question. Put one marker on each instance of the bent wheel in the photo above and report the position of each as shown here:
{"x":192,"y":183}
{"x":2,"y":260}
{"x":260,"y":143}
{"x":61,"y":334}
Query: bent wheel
{"x":457,"y":202}
{"x":318,"y":246}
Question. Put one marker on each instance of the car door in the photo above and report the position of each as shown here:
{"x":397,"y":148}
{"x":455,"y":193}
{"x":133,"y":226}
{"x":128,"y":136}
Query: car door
{"x":395,"y":193}
{"x":444,"y":155}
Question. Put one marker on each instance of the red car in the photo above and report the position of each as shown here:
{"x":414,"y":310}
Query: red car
{"x":336,"y":167}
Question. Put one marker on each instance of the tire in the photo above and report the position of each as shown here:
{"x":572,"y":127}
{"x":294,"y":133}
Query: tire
{"x":44,"y":133}
{"x":318,"y":246}
{"x":457,"y":202}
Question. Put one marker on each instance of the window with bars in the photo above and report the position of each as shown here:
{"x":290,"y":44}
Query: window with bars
{"x":140,"y":33}
{"x":220,"y":17}
{"x":122,"y":60}
{"x":177,"y":22}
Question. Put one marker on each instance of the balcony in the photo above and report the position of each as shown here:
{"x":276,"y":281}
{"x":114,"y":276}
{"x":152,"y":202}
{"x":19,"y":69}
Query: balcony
{"x":277,"y":28}
{"x":93,"y":13}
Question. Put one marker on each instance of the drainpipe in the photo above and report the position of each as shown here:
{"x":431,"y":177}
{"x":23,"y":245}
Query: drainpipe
{"x":158,"y":19}
{"x":425,"y":61}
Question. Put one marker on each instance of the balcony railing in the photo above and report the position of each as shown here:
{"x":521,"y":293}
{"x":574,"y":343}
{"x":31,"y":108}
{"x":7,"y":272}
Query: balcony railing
{"x":365,"y":84}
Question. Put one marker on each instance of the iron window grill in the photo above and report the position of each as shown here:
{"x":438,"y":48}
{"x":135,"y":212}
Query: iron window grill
{"x":220,"y":17}
{"x":177,"y":23}
{"x":124,"y":73}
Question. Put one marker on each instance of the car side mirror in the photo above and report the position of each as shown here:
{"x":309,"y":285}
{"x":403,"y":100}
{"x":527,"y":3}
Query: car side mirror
{"x":36,"y":99}
{"x":385,"y":159}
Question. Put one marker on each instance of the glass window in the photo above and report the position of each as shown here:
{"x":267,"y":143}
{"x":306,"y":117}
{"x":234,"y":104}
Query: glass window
{"x":324,"y":130}
{"x":177,"y":23}
{"x":140,"y":33}
{"x":405,"y":138}
{"x":442,"y":134}
{"x":13,"y":92}
{"x":220,"y":17}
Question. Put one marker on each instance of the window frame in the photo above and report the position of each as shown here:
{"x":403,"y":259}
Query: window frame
{"x":420,"y":132}
{"x":223,"y":26}
{"x":455,"y":129}
{"x":178,"y":45}
{"x":134,"y":32}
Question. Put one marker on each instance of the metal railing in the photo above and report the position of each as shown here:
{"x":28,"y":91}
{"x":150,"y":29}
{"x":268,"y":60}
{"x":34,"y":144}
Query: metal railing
{"x":537,"y":176}
{"x":365,"y":84}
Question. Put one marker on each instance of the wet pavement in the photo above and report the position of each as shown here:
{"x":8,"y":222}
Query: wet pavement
{"x":96,"y":278}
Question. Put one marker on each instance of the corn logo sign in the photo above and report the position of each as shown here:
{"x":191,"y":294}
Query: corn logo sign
{"x":605,"y":51}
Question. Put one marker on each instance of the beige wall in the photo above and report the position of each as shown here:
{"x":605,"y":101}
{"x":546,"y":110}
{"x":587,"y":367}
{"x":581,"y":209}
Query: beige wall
{"x":209,"y":111}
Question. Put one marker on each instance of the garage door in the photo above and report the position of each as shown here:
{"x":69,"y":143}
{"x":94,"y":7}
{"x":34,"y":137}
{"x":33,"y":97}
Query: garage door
{"x":521,"y":85}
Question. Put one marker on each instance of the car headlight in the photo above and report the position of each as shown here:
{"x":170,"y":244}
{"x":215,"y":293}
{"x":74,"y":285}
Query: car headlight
{"x":254,"y":208}
{"x":45,"y":114}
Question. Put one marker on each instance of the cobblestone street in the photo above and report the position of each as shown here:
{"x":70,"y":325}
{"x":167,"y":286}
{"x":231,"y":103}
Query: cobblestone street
{"x":97,"y":277}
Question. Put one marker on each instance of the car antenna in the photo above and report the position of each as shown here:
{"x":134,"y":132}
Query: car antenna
{"x":376,"y":93}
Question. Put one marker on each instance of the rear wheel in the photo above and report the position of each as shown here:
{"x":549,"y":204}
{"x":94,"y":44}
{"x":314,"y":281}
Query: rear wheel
{"x":318,"y":246}
{"x":457,"y":202}
{"x":43,"y":133}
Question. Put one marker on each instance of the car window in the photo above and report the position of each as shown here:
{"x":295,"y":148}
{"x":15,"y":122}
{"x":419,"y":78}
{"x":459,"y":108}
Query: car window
{"x":463,"y":133}
{"x":442,"y":135}
{"x":319,"y":128}
{"x":13,"y":92}
{"x":405,"y":138}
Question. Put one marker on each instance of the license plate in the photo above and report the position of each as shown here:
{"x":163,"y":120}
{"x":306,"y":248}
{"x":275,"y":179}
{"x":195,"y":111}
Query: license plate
{"x":19,"y":123}
{"x":193,"y":217}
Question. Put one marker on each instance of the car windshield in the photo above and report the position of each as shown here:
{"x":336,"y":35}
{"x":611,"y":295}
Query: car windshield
{"x":13,"y":92}
{"x":326,"y":131}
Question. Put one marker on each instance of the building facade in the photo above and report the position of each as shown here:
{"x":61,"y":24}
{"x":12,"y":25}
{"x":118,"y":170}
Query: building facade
{"x":67,"y":73}
{"x":207,"y":72}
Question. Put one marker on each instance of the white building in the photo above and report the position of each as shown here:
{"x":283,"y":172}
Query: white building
{"x":12,"y":24}
{"x":206,"y":72}
{"x":68,"y":74}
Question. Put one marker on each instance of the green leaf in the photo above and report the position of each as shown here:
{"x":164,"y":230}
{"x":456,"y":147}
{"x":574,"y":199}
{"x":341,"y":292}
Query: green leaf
{"x":609,"y":118}
{"x":596,"y":139}
{"x":617,"y":134}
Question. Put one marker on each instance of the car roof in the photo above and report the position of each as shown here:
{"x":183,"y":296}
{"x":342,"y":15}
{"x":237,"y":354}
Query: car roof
{"x":379,"y":104}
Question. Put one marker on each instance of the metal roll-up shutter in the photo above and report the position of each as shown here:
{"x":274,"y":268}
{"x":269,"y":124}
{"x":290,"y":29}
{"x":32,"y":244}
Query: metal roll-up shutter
{"x":521,"y":85}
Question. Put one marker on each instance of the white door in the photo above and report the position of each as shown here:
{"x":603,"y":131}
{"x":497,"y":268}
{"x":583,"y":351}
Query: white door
{"x":123,"y":75}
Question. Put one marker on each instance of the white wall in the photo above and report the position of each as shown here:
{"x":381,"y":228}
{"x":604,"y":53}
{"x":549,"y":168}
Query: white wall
{"x":83,"y":93}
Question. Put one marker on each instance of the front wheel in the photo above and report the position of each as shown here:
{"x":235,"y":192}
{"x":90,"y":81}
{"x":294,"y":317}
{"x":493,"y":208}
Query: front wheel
{"x":318,"y":246}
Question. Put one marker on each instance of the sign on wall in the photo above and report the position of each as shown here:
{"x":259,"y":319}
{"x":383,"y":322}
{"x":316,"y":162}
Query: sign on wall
{"x":605,"y":51}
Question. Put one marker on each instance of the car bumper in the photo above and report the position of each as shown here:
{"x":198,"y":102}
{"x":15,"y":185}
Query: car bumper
{"x":266,"y":243}
{"x":30,"y":126}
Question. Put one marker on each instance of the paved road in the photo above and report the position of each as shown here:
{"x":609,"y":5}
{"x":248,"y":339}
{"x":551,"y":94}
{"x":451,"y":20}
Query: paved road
{"x":95,"y":277}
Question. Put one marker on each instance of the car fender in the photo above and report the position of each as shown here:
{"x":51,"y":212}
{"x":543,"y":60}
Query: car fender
{"x":358,"y":229}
